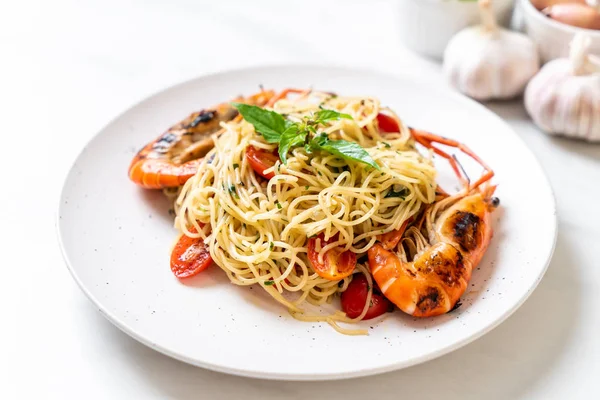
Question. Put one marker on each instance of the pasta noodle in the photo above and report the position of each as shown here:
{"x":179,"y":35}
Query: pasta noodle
{"x":257,"y":230}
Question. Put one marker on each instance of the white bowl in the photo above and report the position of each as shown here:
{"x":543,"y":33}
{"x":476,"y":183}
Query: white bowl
{"x":426,"y":26}
{"x":551,"y":37}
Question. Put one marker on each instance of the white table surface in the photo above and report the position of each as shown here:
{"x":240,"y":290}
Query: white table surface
{"x":67,"y":68}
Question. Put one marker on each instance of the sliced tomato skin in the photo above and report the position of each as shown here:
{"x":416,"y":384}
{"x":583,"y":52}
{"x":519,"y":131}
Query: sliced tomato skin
{"x":387,"y":124}
{"x":336,"y":264}
{"x":189,"y":257}
{"x":260,"y":160}
{"x":355,"y":297}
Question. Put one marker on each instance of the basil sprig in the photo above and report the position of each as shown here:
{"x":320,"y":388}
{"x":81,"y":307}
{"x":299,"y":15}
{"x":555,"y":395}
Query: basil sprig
{"x":288,"y":135}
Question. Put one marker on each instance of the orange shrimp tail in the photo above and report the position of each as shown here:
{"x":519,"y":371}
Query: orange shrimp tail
{"x":160,"y":173}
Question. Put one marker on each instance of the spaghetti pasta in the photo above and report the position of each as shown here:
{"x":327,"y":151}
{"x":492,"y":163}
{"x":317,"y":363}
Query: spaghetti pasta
{"x":258,"y":230}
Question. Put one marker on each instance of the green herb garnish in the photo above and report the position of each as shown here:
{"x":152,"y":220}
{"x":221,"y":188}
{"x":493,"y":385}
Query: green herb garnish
{"x":289,"y":139}
{"x":402,"y":193}
{"x":269,"y":123}
{"x":342,"y":148}
{"x":269,"y":283}
{"x":276,"y":129}
{"x":325,"y":115}
{"x":233,"y":192}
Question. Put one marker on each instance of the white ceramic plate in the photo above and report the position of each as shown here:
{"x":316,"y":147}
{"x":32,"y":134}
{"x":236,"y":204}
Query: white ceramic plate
{"x":116,"y":239}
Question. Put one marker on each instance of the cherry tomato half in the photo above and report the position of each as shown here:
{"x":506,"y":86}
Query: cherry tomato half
{"x":260,"y":160}
{"x":355,"y":297}
{"x":337,"y":264}
{"x":387,"y":123}
{"x":190,"y":256}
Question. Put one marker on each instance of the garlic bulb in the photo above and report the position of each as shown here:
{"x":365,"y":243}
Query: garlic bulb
{"x":488,"y":62}
{"x":564,"y":97}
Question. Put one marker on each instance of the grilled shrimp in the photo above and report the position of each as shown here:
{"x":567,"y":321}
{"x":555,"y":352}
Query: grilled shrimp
{"x":172,"y":158}
{"x":457,"y":233}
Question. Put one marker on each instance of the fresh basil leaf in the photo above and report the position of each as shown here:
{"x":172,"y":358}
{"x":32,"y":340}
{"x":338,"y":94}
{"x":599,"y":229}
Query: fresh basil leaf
{"x":325,"y":115}
{"x":402,"y":193}
{"x":291,"y":138}
{"x":268,"y":123}
{"x":350,"y":151}
{"x":344,"y":149}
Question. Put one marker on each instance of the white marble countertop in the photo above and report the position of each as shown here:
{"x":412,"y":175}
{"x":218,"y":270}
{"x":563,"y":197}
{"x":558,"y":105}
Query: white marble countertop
{"x":67,"y":68}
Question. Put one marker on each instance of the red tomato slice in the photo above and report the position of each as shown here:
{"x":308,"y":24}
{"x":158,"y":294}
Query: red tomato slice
{"x":387,"y":123}
{"x":190,"y":256}
{"x":260,"y":160}
{"x":355,"y":297}
{"x":337,"y":264}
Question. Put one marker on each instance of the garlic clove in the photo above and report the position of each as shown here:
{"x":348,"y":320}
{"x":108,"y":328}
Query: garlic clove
{"x":488,"y":62}
{"x":564,"y":97}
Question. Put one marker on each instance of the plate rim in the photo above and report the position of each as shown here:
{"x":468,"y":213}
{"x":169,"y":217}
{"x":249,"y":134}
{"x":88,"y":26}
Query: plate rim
{"x":419,"y":80}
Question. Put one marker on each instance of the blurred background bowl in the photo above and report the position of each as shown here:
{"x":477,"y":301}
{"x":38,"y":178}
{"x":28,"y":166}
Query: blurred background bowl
{"x":552,"y":37}
{"x":426,"y":26}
